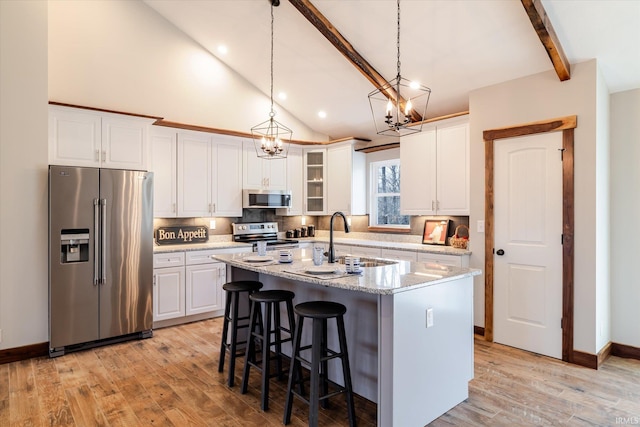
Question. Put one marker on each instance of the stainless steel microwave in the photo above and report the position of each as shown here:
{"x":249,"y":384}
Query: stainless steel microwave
{"x":257,"y":199}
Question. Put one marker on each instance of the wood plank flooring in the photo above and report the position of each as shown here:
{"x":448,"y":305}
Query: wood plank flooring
{"x":172,"y":380}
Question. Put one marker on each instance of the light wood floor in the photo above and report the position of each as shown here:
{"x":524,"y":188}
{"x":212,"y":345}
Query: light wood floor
{"x":172,"y":380}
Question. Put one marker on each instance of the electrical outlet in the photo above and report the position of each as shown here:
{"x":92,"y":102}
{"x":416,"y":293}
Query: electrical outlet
{"x":212,"y":224}
{"x":303,"y":220}
{"x":429,"y":317}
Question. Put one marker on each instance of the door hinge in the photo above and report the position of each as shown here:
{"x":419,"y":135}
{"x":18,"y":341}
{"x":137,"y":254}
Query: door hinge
{"x":561,"y":150}
{"x":561,"y":323}
{"x":562,"y":239}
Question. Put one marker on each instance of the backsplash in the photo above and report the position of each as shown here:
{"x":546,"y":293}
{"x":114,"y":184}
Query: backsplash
{"x":359,"y":225}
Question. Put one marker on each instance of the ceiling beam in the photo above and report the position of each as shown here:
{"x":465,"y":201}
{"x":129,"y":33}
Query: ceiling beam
{"x":544,"y":29}
{"x":327,"y":29}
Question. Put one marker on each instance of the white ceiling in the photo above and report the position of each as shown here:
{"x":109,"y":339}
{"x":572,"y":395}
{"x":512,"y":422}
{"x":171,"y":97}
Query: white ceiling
{"x":453,"y":47}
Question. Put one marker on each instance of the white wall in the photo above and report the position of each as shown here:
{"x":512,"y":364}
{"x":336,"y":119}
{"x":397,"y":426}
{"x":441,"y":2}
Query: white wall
{"x":625,"y":213}
{"x":23,"y":173}
{"x":603,"y":224}
{"x":124,"y":56}
{"x":540,"y":97}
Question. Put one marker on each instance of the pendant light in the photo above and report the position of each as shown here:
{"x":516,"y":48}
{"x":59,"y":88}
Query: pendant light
{"x":399,"y":106}
{"x":271,"y":139}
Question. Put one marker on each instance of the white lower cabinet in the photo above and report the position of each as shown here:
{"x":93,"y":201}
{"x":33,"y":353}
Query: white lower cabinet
{"x":204,"y":288}
{"x":188,"y":286}
{"x":168,"y":286}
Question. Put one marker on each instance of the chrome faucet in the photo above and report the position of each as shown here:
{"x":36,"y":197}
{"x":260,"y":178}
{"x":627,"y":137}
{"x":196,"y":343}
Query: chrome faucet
{"x":331,"y":253}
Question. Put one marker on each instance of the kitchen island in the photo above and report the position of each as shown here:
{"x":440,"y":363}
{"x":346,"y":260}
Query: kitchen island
{"x":409,"y":328}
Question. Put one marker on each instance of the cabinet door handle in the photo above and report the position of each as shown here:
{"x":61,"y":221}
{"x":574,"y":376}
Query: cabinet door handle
{"x":433,"y":205}
{"x":154,"y":279}
{"x":97,"y":155}
{"x":104,"y":155}
{"x":174,"y":207}
{"x":214,"y":208}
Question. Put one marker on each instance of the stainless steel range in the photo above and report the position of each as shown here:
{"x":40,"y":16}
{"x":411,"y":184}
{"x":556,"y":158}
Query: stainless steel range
{"x":257,"y":231}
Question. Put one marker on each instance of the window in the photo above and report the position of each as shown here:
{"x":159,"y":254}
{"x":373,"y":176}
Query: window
{"x":385,"y":195}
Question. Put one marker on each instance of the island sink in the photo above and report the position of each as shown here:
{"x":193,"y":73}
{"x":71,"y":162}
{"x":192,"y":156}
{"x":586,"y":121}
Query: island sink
{"x":369,"y":262}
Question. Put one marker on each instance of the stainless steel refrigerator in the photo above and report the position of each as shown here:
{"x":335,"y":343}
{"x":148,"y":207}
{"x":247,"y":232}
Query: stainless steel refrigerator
{"x":101,"y":256}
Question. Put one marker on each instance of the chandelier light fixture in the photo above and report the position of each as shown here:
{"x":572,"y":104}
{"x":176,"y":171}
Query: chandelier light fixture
{"x":271,"y":139}
{"x":399,"y":106}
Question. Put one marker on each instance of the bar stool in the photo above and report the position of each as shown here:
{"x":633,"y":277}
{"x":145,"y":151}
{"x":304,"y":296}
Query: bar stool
{"x":231,"y":314}
{"x":268,"y":336}
{"x":319,"y":312}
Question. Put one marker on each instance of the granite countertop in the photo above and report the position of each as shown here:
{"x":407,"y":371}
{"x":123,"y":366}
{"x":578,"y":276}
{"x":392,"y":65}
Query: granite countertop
{"x":416,"y":247}
{"x":158,"y":249}
{"x":400,"y":276}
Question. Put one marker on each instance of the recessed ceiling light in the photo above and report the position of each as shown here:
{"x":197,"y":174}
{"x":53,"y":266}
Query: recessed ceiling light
{"x":222,"y":49}
{"x":282,"y":96}
{"x":322,"y":114}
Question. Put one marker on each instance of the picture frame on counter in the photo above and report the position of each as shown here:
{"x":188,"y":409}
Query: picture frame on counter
{"x":435,"y":231}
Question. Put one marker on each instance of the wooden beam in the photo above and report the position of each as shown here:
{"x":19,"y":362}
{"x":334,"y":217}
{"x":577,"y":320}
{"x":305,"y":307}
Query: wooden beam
{"x":322,"y":24}
{"x":542,"y":25}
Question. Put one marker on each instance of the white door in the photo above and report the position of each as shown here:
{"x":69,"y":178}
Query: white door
{"x":528,"y":246}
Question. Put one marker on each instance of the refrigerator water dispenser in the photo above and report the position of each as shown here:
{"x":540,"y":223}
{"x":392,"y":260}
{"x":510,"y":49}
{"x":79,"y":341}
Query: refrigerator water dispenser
{"x":74,"y":246}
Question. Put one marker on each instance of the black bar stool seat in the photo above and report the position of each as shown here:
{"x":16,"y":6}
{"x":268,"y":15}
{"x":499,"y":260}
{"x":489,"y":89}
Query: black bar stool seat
{"x":319,"y":312}
{"x":232,"y":317}
{"x":268,"y":336}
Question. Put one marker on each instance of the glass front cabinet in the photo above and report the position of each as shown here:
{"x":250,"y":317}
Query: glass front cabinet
{"x":315,"y":189}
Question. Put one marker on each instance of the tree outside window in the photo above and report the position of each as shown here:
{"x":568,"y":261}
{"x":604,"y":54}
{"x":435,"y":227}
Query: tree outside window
{"x":385,"y":200}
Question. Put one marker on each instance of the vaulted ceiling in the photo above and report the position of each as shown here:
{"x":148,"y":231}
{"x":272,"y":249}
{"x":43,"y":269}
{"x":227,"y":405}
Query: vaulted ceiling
{"x":453,"y":47}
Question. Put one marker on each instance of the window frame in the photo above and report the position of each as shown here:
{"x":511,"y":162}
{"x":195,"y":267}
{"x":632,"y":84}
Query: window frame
{"x":374,"y":166}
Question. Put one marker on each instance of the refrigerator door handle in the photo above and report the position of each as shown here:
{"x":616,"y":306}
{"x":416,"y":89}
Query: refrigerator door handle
{"x":96,"y":241}
{"x":103,"y":230}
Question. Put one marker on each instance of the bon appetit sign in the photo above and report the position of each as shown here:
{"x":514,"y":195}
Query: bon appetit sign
{"x":181,"y":235}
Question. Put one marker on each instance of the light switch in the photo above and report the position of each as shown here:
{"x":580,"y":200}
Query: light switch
{"x":480,"y":226}
{"x":429,"y":317}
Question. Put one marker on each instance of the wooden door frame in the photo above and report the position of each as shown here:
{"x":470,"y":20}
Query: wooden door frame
{"x":566,"y":125}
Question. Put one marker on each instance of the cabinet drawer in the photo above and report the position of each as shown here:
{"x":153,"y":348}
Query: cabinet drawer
{"x":204,"y":256}
{"x":201,"y":257}
{"x":367,"y":251}
{"x":399,"y":254}
{"x":171,"y":259}
{"x":450,"y":260}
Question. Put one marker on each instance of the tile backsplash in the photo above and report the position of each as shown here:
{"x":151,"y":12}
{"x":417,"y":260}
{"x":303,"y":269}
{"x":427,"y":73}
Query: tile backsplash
{"x":359,"y":225}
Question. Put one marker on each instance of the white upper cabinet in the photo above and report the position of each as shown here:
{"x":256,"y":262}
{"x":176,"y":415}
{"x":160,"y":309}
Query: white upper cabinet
{"x":435,"y":170}
{"x":452,"y":179}
{"x":262,"y":174}
{"x":346,"y":180}
{"x":295,"y":176}
{"x":315,"y":184}
{"x":194,"y":174}
{"x":417,"y":173}
{"x":209,"y":175}
{"x":163,"y":152}
{"x":227,"y":177}
{"x":79,"y":137}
